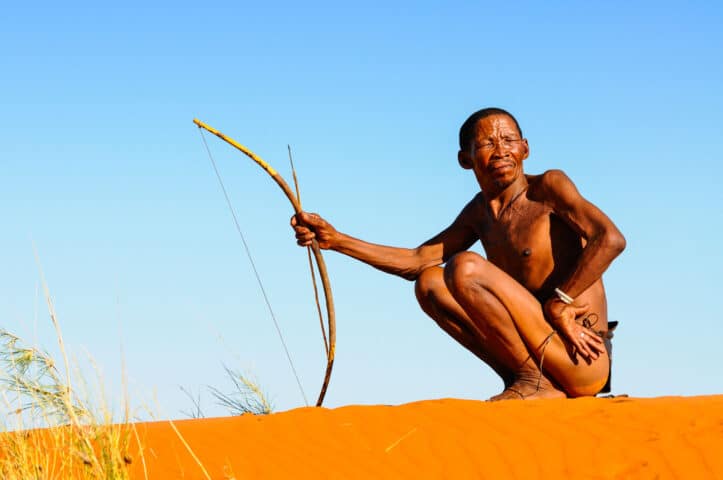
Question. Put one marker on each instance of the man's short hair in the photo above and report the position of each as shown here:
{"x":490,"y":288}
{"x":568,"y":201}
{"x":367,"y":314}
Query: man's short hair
{"x":466,"y":132}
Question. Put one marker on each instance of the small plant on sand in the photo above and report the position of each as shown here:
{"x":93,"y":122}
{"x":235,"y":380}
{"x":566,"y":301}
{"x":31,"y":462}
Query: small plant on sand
{"x":247,"y":396}
{"x":196,"y":401}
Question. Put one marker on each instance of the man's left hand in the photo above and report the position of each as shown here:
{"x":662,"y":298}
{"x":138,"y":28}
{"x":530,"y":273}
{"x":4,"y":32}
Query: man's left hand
{"x":562,"y":316}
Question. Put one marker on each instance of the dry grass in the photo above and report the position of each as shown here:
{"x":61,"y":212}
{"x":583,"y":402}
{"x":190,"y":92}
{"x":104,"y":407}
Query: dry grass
{"x":247,"y":396}
{"x":55,"y":430}
{"x":52,"y":433}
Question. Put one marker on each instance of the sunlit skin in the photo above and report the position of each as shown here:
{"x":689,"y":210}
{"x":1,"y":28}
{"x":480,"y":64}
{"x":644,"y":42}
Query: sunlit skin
{"x":538,"y":234}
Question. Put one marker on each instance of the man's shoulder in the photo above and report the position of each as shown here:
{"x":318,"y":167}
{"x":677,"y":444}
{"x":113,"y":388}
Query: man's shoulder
{"x":475,"y":206}
{"x":549,"y":178}
{"x":549,"y":181}
{"x":474,"y":212}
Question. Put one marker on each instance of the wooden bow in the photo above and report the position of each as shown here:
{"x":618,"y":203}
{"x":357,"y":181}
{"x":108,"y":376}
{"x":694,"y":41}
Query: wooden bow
{"x":321,"y":265}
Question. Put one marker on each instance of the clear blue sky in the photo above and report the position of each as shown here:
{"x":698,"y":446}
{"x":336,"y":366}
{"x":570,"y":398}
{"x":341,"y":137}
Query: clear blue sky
{"x":104,"y":171}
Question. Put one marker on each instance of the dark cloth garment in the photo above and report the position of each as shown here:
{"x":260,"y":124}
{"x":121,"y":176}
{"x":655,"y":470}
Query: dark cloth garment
{"x":607,"y":338}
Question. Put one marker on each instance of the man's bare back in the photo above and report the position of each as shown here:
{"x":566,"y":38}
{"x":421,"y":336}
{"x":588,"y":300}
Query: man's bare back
{"x":534,"y":309}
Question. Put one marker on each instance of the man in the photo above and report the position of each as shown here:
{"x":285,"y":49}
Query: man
{"x":534,"y":310}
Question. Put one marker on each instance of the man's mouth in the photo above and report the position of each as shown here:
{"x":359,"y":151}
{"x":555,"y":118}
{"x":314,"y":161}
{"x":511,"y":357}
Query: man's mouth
{"x":500,"y":167}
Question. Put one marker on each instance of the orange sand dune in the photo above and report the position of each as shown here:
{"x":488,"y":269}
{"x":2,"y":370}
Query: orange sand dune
{"x":671,"y":437}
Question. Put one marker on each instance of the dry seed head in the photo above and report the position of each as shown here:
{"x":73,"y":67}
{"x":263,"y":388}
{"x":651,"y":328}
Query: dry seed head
{"x":26,"y":355}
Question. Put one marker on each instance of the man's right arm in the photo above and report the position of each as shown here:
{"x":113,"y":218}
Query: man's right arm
{"x":407,"y":263}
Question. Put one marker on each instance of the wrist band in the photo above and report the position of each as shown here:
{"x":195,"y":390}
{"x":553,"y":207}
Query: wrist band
{"x":564,"y":297}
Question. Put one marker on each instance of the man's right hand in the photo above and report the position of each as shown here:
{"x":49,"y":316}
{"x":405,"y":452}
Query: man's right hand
{"x":310,"y":226}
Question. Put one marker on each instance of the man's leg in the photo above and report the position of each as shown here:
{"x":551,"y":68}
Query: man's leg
{"x":509,"y":319}
{"x":437,"y":302}
{"x":496,"y":342}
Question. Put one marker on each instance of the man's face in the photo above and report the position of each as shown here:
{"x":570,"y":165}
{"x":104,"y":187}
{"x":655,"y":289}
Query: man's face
{"x":496,"y":152}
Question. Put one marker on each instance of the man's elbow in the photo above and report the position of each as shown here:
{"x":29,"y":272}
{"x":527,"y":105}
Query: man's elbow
{"x":411,"y":274}
{"x":615,"y":242}
{"x":417,"y":263}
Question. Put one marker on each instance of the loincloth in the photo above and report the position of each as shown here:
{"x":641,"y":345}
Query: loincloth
{"x":607,"y":337}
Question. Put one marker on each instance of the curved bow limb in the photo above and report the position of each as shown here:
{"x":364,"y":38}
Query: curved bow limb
{"x":321,"y":265}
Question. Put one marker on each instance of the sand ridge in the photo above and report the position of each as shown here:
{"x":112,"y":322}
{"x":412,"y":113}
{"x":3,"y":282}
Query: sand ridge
{"x":669,"y":437}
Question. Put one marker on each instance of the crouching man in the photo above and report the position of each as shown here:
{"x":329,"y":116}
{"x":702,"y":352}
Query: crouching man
{"x":535,"y":309}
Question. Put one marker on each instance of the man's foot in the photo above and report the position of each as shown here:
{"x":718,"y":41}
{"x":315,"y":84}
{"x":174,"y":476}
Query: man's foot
{"x":529,"y":390}
{"x":507,"y":394}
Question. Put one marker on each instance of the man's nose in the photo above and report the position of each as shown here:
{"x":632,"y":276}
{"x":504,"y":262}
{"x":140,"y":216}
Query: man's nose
{"x":499,"y":149}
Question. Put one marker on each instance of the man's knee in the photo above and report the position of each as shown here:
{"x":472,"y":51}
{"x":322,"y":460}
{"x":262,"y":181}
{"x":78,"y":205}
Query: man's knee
{"x":464,"y":270}
{"x":427,"y":283}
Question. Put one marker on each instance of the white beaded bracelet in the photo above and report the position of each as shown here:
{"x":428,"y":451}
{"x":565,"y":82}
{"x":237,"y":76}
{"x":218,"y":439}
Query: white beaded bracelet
{"x":564,"y":297}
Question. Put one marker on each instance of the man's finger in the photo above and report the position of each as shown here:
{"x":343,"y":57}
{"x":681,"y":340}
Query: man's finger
{"x":590,"y":336}
{"x":306,"y":236}
{"x":585,"y":347}
{"x":300,"y":218}
{"x":582,"y":350}
{"x":581,"y":309}
{"x":592,"y":344}
{"x":599,"y":349}
{"x":307,"y":218}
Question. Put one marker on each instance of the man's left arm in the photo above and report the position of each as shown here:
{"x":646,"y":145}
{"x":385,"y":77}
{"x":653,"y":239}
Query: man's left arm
{"x":604,"y":241}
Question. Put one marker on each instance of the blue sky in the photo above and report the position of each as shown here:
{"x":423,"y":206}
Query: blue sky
{"x":104,"y":171}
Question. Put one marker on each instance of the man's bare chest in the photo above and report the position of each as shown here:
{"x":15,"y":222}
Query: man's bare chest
{"x":519,"y":229}
{"x":519,"y":241}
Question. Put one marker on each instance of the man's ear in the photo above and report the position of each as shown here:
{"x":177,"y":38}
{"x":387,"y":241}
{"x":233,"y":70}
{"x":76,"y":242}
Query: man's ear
{"x":527,"y":149}
{"x":464,"y":159}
